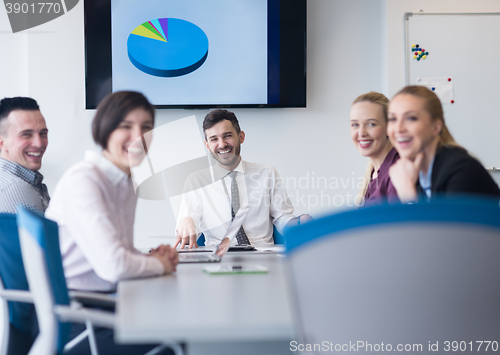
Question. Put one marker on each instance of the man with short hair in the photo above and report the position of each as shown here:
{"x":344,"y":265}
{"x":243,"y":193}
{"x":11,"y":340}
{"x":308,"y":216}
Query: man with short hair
{"x":23,"y":141}
{"x":213,"y":197}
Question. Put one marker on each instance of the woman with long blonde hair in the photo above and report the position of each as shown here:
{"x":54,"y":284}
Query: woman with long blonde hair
{"x":368,"y":131}
{"x":431,"y":163}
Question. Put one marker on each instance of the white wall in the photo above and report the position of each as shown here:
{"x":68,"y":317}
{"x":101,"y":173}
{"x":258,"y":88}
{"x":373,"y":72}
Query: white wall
{"x":395,"y":10}
{"x":13,"y":59}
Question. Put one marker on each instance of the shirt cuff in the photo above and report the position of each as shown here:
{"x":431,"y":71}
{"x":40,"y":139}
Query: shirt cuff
{"x":283,"y":221}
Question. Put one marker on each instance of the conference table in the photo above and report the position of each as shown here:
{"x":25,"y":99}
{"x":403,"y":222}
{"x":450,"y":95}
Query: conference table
{"x":235,"y":313}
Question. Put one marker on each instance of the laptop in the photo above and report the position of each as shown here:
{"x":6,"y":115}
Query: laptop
{"x":201,"y":257}
{"x":198,"y":255}
{"x":201,"y":254}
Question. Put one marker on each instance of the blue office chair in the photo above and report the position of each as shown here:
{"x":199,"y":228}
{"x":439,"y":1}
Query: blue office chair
{"x":20,"y":324}
{"x":201,"y":240}
{"x":400,"y":274}
{"x":42,"y":259}
{"x":19,"y":321}
{"x":278,"y":238}
{"x":39,"y":240}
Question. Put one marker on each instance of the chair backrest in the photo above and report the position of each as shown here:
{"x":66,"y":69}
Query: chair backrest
{"x":39,"y":239}
{"x":12,"y":274}
{"x":277,"y":236}
{"x":401,"y":274}
{"x":5,"y":324}
{"x":201,"y":240}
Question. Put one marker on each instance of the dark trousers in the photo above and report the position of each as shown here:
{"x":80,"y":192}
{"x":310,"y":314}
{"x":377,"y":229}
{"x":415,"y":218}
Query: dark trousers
{"x":19,"y":342}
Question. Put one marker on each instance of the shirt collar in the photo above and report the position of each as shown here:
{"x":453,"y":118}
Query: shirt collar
{"x":425,"y":180}
{"x":114,"y":174}
{"x":30,"y":176}
{"x":220,"y":172}
{"x":241,"y":167}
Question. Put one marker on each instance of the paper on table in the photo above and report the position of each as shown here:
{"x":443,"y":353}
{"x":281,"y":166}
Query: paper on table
{"x":443,"y":87}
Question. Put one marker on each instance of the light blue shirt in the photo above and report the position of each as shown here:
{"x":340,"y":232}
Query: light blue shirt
{"x":425,"y":180}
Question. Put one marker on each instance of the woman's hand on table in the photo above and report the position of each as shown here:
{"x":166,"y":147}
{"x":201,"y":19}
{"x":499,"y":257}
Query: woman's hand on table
{"x":168,"y":256}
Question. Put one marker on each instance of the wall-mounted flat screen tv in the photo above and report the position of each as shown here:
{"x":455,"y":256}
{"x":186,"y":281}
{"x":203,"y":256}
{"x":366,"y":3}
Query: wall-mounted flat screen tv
{"x":197,"y":53}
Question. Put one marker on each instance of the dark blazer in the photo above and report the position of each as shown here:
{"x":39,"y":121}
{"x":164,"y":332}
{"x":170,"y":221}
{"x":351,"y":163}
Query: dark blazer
{"x":456,"y":172}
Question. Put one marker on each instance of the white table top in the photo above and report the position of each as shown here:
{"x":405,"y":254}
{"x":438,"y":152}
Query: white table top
{"x":193,"y":306}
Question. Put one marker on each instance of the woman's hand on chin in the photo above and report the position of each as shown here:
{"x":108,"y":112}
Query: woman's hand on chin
{"x":404,"y":177}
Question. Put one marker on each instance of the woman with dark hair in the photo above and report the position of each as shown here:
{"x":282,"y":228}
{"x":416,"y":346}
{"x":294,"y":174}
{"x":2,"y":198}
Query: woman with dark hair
{"x":369,"y":133}
{"x":432,"y":164}
{"x":94,"y":205}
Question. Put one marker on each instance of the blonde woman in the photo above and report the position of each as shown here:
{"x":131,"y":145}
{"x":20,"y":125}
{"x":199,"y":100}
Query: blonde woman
{"x":369,"y":134}
{"x":431,"y":163}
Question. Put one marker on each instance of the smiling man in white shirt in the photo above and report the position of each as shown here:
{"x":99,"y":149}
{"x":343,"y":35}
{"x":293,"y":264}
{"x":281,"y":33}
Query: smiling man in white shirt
{"x":213,"y":196}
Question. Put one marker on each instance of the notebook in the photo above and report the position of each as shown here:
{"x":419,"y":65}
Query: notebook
{"x":198,"y":257}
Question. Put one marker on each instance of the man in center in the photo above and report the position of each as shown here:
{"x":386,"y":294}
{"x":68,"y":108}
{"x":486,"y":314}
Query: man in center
{"x":214,"y":196}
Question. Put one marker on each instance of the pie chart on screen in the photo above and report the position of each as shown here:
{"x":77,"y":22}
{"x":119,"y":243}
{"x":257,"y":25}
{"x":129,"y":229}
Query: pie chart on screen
{"x":167,"y":47}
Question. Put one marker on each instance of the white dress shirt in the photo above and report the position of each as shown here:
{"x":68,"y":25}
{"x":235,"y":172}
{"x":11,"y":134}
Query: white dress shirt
{"x":94,"y":206}
{"x":207,"y":199}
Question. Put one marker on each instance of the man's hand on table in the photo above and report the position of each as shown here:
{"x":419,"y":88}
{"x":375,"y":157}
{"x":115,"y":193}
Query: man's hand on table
{"x":186,"y":232}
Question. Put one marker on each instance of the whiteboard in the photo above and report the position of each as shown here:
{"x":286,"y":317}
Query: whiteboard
{"x":465,"y":48}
